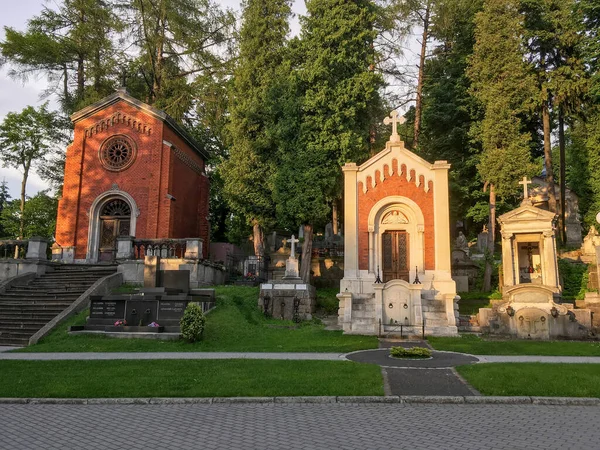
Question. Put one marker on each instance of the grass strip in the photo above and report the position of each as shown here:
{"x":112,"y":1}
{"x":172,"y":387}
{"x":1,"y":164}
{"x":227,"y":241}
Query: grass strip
{"x":478,"y":346}
{"x":236,"y":325}
{"x":534,"y":379}
{"x":185,"y":378}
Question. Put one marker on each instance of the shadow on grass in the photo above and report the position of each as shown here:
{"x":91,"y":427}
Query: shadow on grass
{"x":235,"y":325}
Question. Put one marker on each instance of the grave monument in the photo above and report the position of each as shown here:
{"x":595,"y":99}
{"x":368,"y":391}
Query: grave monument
{"x":531,"y":304}
{"x":397,"y":244}
{"x":289,"y":298}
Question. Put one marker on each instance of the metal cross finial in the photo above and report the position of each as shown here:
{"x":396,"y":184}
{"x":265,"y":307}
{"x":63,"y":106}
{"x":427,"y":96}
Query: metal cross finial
{"x":525,"y":182}
{"x":394,"y":119}
{"x":293,"y":242}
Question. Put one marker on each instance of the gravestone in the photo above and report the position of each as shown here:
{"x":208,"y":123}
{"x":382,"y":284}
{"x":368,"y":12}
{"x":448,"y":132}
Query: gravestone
{"x":289,"y":298}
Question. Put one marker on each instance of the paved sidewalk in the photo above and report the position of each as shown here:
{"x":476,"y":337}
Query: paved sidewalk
{"x":170,"y":355}
{"x":541,"y":359}
{"x":299,"y":427}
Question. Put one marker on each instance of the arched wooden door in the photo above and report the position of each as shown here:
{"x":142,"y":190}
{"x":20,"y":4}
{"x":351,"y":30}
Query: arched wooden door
{"x":115,"y":219}
{"x":396,"y":261}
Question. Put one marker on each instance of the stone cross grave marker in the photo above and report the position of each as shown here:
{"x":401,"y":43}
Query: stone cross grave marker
{"x":394,"y":119}
{"x":525,"y":182}
{"x":293,"y":241}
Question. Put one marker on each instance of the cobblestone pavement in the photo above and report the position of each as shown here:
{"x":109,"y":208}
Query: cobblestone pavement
{"x":299,"y":426}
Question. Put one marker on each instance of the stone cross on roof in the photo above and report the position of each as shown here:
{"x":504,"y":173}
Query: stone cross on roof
{"x":525,"y":182}
{"x":293,"y":242}
{"x":394,"y":119}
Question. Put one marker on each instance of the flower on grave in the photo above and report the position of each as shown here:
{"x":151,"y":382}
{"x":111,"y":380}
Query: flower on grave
{"x":120,"y":323}
{"x":153,"y":325}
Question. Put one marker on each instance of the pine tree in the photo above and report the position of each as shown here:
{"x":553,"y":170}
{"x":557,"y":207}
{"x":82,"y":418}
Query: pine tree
{"x":248,"y":173}
{"x":339,"y":95}
{"x":72,"y":45}
{"x":503,"y":84}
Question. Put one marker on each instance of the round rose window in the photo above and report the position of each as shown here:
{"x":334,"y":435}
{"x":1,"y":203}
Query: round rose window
{"x":117,"y":153}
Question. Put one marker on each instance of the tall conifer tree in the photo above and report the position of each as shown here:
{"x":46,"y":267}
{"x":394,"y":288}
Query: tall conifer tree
{"x":340,"y":95}
{"x":248,"y":172}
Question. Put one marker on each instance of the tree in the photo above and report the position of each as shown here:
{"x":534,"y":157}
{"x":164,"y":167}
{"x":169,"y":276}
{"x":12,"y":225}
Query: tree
{"x":73,"y":46}
{"x":503,"y":84}
{"x":248,"y":173}
{"x":338,"y":90}
{"x":449,"y":109}
{"x":178,"y":41}
{"x":26,"y":138}
{"x":4,"y":199}
{"x":38,"y":218}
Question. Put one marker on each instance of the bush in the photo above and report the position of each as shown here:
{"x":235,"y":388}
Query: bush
{"x":414,"y":352}
{"x":192,"y":323}
{"x":574,"y":278}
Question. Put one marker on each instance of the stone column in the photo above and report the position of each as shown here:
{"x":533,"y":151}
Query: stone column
{"x":350,"y":221}
{"x":372,"y":262}
{"x":378,"y":288}
{"x":550,"y":266}
{"x":441,"y":213}
{"x":37,"y":248}
{"x":125,"y":247}
{"x":151,"y":270}
{"x":508,"y":264}
{"x":193,"y":248}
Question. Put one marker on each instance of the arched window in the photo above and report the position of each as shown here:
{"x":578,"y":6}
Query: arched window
{"x":116,"y":208}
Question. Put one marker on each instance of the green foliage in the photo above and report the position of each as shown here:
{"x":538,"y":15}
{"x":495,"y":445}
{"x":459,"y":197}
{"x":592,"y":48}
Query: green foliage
{"x":574,"y":278}
{"x":39,"y":218}
{"x":248,"y":173}
{"x":413,"y":352}
{"x":72,"y":45}
{"x":192,"y":323}
{"x":506,"y":89}
{"x":327,"y":300}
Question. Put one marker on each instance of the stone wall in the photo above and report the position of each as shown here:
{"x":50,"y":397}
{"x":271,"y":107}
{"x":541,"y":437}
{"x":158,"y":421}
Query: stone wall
{"x":202,"y":273}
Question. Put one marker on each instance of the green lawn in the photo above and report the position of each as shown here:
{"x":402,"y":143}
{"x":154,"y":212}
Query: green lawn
{"x":187,"y":378}
{"x":236,"y":325}
{"x":478,"y":346}
{"x":534,"y":379}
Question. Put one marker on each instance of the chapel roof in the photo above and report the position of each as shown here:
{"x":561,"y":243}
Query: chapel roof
{"x":122,"y":95}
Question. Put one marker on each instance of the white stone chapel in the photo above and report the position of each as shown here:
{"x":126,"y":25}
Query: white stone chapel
{"x":397,"y":272}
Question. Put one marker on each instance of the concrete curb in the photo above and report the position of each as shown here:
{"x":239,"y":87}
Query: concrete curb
{"x":404,"y":399}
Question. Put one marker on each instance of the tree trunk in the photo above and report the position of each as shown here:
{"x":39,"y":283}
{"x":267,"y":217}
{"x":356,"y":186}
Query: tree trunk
{"x":548,"y":157}
{"x":418,"y":104}
{"x":306,"y":253}
{"x":334,"y":217}
{"x":23,"y":188}
{"x":258,"y":237}
{"x":487,"y":274}
{"x":563,"y":176}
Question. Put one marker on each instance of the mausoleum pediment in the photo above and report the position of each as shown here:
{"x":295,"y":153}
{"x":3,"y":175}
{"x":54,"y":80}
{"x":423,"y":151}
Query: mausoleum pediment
{"x":527,"y":213}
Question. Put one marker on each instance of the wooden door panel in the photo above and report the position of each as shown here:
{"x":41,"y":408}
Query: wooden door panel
{"x":396,"y":261}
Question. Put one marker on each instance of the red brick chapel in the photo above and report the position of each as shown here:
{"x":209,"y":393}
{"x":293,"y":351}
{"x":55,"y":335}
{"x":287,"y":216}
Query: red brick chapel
{"x":131,"y":170}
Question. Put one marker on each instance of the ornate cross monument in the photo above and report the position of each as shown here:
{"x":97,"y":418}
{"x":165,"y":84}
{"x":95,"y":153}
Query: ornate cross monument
{"x":291,"y":265}
{"x":394,"y":120}
{"x":524,"y":183}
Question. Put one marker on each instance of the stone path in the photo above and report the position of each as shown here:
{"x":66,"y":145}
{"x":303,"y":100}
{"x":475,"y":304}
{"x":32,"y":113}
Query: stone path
{"x":299,"y":426}
{"x":169,"y":355}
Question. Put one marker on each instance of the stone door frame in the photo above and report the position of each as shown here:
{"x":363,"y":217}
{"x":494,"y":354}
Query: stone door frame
{"x":95,"y":222}
{"x":415,"y":229}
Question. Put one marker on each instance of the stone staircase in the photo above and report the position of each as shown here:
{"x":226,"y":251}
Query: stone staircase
{"x":26,"y":309}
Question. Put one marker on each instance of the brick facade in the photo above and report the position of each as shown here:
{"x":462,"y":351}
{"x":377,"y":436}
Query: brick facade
{"x":166,"y":163}
{"x":391,"y":185}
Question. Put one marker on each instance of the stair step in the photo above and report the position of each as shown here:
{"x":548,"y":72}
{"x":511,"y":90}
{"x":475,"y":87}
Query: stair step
{"x":13,"y":342}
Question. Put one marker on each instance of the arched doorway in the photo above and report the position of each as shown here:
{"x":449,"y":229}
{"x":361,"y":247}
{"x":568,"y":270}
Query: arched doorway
{"x":115,"y":221}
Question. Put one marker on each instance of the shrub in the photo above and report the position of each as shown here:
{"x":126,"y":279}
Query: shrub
{"x":574,"y":279}
{"x":414,"y":352}
{"x":192,"y":323}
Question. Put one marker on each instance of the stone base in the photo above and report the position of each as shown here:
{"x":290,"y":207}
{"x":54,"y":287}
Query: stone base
{"x":277,"y":299}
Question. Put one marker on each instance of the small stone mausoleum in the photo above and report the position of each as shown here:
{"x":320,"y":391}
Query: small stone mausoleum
{"x":397,"y":245}
{"x":131,"y":172}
